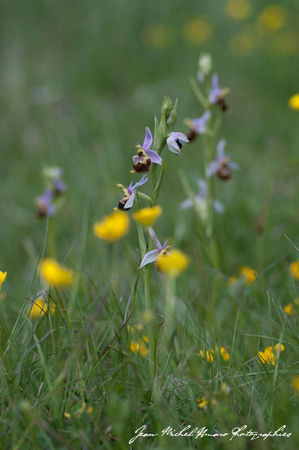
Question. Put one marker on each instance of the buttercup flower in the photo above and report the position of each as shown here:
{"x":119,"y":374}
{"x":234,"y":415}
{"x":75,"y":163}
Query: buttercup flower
{"x":249,"y":274}
{"x":2,"y":277}
{"x":238,"y":9}
{"x":145,"y":155}
{"x":217,"y":94}
{"x":267,"y":357}
{"x":148,"y":216}
{"x":172,"y":262}
{"x":127,"y":201}
{"x":272,"y":18}
{"x":197,"y":126}
{"x":140,"y":346}
{"x":175,"y":141}
{"x":40,"y":307}
{"x":224,"y":353}
{"x":289,"y":309}
{"x":208,"y":355}
{"x":295,"y":383}
{"x":204,"y":66}
{"x":202,"y":402}
{"x":152,"y":255}
{"x":294,"y":270}
{"x":222,"y":165}
{"x":55,"y":274}
{"x":112,"y":227}
{"x":201,"y":200}
{"x":294,"y":102}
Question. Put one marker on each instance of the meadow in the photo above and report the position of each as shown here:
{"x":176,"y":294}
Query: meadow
{"x":94,"y":343}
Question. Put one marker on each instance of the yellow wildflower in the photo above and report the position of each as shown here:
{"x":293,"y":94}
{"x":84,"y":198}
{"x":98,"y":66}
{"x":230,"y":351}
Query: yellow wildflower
{"x":40,"y":307}
{"x":267,"y":357}
{"x":294,"y":270}
{"x":289,"y":309}
{"x":231,"y":281}
{"x":249,"y":274}
{"x":89,"y":410}
{"x":294,"y":103}
{"x":197,"y":31}
{"x":148,"y":216}
{"x":238,"y":9}
{"x":140,"y":346}
{"x":276,"y":346}
{"x":112,"y":227}
{"x":241,"y":44}
{"x":272,"y":18}
{"x":296,"y":301}
{"x":173,"y":262}
{"x":202,"y":402}
{"x":295,"y":383}
{"x":208,"y":356}
{"x":2,"y":277}
{"x":224,"y":353}
{"x":53,"y":273}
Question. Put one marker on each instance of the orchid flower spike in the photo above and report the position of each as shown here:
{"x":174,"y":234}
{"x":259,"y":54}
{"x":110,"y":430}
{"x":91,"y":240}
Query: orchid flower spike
{"x":152,"y":255}
{"x":145,"y":155}
{"x":201,"y":199}
{"x":197,"y":126}
{"x":175,"y":141}
{"x":222,"y":165}
{"x":217,"y":94}
{"x":127,"y":201}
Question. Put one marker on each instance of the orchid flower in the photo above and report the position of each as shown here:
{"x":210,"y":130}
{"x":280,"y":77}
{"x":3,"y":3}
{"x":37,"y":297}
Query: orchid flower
{"x":217,"y":94}
{"x":197,"y":126}
{"x":222,"y":165}
{"x":145,"y":155}
{"x":201,"y":199}
{"x":45,"y":204}
{"x":175,"y":141}
{"x":130,"y":192}
{"x":152,"y":255}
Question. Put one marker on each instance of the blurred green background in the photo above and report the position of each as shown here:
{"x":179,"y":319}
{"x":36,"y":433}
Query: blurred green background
{"x":81,"y":80}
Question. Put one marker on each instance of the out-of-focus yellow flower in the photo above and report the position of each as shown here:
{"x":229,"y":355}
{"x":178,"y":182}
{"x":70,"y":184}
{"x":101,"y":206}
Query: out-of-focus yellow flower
{"x":157,"y":35}
{"x":140,"y":346}
{"x":249,"y":274}
{"x":296,"y":301}
{"x":295,"y":383}
{"x":172,"y":263}
{"x":112,"y":227}
{"x":208,"y":356}
{"x":294,"y":270}
{"x":272,"y":18}
{"x":231,"y":281}
{"x":89,"y":410}
{"x":202,"y":402}
{"x":148,"y":216}
{"x":197,"y":31}
{"x":267,"y":357}
{"x":241,"y":44}
{"x":2,"y":277}
{"x":294,"y":104}
{"x":289,"y":309}
{"x":224,"y":353}
{"x":276,"y":347}
{"x":40,"y":307}
{"x":55,"y":274}
{"x":238,"y":9}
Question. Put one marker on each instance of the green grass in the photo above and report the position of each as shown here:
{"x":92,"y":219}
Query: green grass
{"x":79,"y":84}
